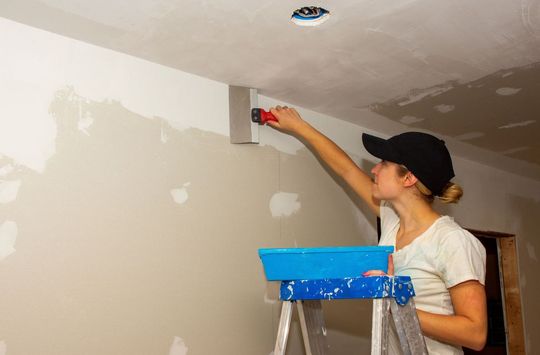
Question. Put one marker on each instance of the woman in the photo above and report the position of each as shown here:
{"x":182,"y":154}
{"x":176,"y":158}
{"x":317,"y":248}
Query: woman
{"x":446,"y":262}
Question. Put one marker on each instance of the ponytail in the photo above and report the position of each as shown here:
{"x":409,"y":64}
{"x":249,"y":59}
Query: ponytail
{"x":450,"y":194}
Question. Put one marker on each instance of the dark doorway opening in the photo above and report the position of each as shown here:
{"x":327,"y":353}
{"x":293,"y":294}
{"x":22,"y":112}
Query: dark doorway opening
{"x":496,"y":338}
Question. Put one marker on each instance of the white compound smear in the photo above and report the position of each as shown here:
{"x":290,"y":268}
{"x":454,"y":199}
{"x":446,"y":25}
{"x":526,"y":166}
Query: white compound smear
{"x":284,"y":204}
{"x":8,"y":237}
{"x":180,"y":195}
{"x":178,"y":347}
{"x":9,"y":190}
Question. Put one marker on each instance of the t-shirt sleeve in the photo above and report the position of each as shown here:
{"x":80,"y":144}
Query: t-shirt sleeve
{"x":461,"y":258}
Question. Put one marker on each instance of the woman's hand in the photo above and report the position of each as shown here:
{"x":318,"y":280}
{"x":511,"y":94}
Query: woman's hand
{"x":380,"y":272}
{"x":289,"y":120}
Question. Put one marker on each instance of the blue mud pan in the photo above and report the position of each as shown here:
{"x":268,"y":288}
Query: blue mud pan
{"x":284,"y":264}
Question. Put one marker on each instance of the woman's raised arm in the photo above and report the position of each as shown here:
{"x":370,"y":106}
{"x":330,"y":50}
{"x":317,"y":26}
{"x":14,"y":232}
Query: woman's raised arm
{"x":289,"y":121}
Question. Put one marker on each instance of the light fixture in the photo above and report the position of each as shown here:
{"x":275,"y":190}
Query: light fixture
{"x":310,"y":16}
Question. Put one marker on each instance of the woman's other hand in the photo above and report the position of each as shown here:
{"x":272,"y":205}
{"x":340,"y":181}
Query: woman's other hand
{"x":380,"y":272}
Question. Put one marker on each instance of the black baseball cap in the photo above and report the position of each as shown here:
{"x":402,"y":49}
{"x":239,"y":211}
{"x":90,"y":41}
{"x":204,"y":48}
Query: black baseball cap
{"x":426,"y":156}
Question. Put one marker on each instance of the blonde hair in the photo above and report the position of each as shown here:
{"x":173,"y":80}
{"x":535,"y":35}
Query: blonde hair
{"x":451,"y":193}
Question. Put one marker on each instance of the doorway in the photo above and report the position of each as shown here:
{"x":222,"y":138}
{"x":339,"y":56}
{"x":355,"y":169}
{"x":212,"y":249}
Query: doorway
{"x":505,"y":326}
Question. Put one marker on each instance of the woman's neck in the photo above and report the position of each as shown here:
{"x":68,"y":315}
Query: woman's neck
{"x":414,"y":214}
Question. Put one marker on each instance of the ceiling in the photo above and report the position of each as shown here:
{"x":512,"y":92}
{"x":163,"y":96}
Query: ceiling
{"x":468,"y":70}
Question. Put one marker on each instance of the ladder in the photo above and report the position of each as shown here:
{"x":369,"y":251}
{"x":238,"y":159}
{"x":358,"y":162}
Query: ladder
{"x":390,"y":294}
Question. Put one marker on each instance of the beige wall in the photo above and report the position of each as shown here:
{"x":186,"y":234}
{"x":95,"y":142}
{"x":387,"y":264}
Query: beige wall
{"x":107,"y":262}
{"x":130,"y":225}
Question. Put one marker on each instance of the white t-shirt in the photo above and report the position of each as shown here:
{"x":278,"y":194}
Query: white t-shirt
{"x":441,"y":257}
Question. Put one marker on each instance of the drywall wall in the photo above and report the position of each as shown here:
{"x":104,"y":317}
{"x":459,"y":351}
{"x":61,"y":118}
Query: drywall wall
{"x":130,"y":225}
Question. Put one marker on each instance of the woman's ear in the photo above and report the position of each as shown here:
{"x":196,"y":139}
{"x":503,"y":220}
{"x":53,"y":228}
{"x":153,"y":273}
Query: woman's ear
{"x":409,"y":179}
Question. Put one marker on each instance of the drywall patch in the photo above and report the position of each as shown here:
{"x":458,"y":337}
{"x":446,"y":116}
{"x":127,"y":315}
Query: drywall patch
{"x":518,"y":124}
{"x":40,"y":63}
{"x":6,"y":170}
{"x":163,"y":136}
{"x":180,"y":195}
{"x":178,"y":347}
{"x":444,"y":108}
{"x":507,"y":91}
{"x":9,"y":190}
{"x":284,"y":204}
{"x":271,"y":295}
{"x":531,"y":251}
{"x":417,"y":95}
{"x":469,"y":135}
{"x":85,"y":121}
{"x":269,"y":300}
{"x":3,"y":348}
{"x":8,"y":236}
{"x":410,"y":119}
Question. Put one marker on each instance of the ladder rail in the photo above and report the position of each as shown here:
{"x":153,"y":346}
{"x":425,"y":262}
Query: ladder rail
{"x":392,"y":301}
{"x":284,"y":326}
{"x":408,"y":328}
{"x":379,"y":329}
{"x":313,"y":327}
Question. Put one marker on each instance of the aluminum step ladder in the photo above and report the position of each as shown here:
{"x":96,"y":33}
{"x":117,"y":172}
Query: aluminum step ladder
{"x":391,"y":295}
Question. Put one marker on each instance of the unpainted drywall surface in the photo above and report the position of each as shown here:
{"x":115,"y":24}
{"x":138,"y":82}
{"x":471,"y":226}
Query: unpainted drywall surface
{"x":134,"y":225}
{"x":496,"y":112}
{"x":128,"y":222}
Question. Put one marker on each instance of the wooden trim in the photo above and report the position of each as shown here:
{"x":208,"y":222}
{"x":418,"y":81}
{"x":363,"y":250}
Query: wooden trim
{"x":490,"y":234}
{"x":512,"y":296}
{"x":508,"y":267}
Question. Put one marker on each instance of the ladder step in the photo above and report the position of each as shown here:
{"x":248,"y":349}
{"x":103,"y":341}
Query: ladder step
{"x":399,"y":287}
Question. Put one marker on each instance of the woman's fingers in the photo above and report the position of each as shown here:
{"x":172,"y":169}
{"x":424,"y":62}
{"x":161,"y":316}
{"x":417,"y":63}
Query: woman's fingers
{"x":391,"y":265}
{"x":288,"y":119}
{"x":374,"y":273}
{"x":273,"y":124}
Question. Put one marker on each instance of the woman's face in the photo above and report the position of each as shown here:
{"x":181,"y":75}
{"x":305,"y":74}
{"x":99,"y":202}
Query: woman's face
{"x":387,"y":184}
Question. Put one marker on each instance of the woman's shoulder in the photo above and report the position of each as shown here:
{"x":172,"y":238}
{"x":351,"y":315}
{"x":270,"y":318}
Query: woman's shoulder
{"x":449,"y":232}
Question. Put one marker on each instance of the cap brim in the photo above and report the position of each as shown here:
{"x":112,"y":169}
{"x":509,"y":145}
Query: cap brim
{"x":380,"y":148}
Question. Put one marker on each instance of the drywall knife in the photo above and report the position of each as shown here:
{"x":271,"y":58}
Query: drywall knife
{"x":260,"y":116}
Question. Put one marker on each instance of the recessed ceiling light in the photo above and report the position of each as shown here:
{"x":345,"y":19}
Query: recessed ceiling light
{"x":310,"y":16}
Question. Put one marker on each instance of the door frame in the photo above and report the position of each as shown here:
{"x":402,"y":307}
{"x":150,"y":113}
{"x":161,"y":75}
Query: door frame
{"x":510,"y":290}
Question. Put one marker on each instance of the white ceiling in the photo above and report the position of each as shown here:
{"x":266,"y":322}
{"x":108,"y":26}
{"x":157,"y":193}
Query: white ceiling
{"x":464,"y":69}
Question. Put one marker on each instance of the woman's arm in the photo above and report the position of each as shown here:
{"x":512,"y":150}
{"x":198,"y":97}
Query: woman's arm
{"x":290,"y":121}
{"x":468,"y":327}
